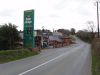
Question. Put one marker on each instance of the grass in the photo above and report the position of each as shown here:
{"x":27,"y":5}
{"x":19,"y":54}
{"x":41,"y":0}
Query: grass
{"x":11,"y":55}
{"x":96,"y":57}
{"x":95,"y":64}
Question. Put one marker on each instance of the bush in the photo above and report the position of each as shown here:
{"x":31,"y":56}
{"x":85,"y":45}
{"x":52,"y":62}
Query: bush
{"x":10,"y":55}
{"x":85,"y":36}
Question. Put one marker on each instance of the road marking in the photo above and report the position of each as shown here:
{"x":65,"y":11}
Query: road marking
{"x":48,"y":61}
{"x":40,"y":65}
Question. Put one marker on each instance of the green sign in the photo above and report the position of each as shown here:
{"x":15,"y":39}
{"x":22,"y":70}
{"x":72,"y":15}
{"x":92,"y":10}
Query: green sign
{"x":29,"y":41}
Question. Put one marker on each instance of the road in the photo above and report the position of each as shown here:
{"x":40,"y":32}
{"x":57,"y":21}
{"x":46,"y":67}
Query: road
{"x":70,"y":60}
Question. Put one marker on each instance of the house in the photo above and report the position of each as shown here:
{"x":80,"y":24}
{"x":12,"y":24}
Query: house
{"x":59,"y":40}
{"x":54,"y":41}
{"x":67,"y":41}
{"x":48,"y":39}
{"x":36,"y":37}
{"x":38,"y":41}
{"x":44,"y":34}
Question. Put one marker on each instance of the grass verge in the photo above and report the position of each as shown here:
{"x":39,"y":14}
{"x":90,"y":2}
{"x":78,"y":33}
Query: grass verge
{"x":96,"y":57}
{"x":11,"y":55}
{"x":95,"y":64}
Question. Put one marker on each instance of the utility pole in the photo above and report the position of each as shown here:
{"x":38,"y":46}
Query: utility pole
{"x":98,"y":17}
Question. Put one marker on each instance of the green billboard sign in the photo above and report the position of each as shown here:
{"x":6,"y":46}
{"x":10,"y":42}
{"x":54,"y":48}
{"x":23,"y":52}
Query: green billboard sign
{"x":29,"y":41}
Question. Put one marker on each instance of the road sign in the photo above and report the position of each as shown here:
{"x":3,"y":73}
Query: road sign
{"x":29,"y":29}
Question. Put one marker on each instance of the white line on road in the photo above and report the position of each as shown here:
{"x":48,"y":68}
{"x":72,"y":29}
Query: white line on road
{"x":67,"y":53}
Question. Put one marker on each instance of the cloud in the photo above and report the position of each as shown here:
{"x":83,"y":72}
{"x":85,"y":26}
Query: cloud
{"x":61,"y":4}
{"x":54,"y":16}
{"x":48,"y":13}
{"x":7,"y":13}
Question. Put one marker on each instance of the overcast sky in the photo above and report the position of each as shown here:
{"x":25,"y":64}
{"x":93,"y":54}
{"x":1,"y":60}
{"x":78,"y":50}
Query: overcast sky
{"x":49,"y":13}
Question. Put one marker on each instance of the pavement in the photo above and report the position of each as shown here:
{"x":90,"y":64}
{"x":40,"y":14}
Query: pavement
{"x":70,"y":60}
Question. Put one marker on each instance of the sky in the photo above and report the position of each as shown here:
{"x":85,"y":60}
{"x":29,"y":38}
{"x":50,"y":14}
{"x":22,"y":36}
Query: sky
{"x":52,"y":14}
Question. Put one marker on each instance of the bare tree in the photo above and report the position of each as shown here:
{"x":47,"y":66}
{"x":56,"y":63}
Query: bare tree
{"x":91,"y":28}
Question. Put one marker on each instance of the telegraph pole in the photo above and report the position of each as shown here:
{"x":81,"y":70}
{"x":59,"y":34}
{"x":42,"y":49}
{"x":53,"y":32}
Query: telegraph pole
{"x":98,"y":17}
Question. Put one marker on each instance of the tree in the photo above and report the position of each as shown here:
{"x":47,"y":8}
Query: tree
{"x":9,"y":35}
{"x":91,"y":28}
{"x":84,"y":35}
{"x":64,"y":31}
{"x":72,"y":31}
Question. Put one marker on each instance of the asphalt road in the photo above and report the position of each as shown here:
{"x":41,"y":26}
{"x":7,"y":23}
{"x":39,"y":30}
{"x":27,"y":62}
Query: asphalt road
{"x":70,"y":60}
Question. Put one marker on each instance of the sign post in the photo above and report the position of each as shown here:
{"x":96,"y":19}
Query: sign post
{"x":29,"y":41}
